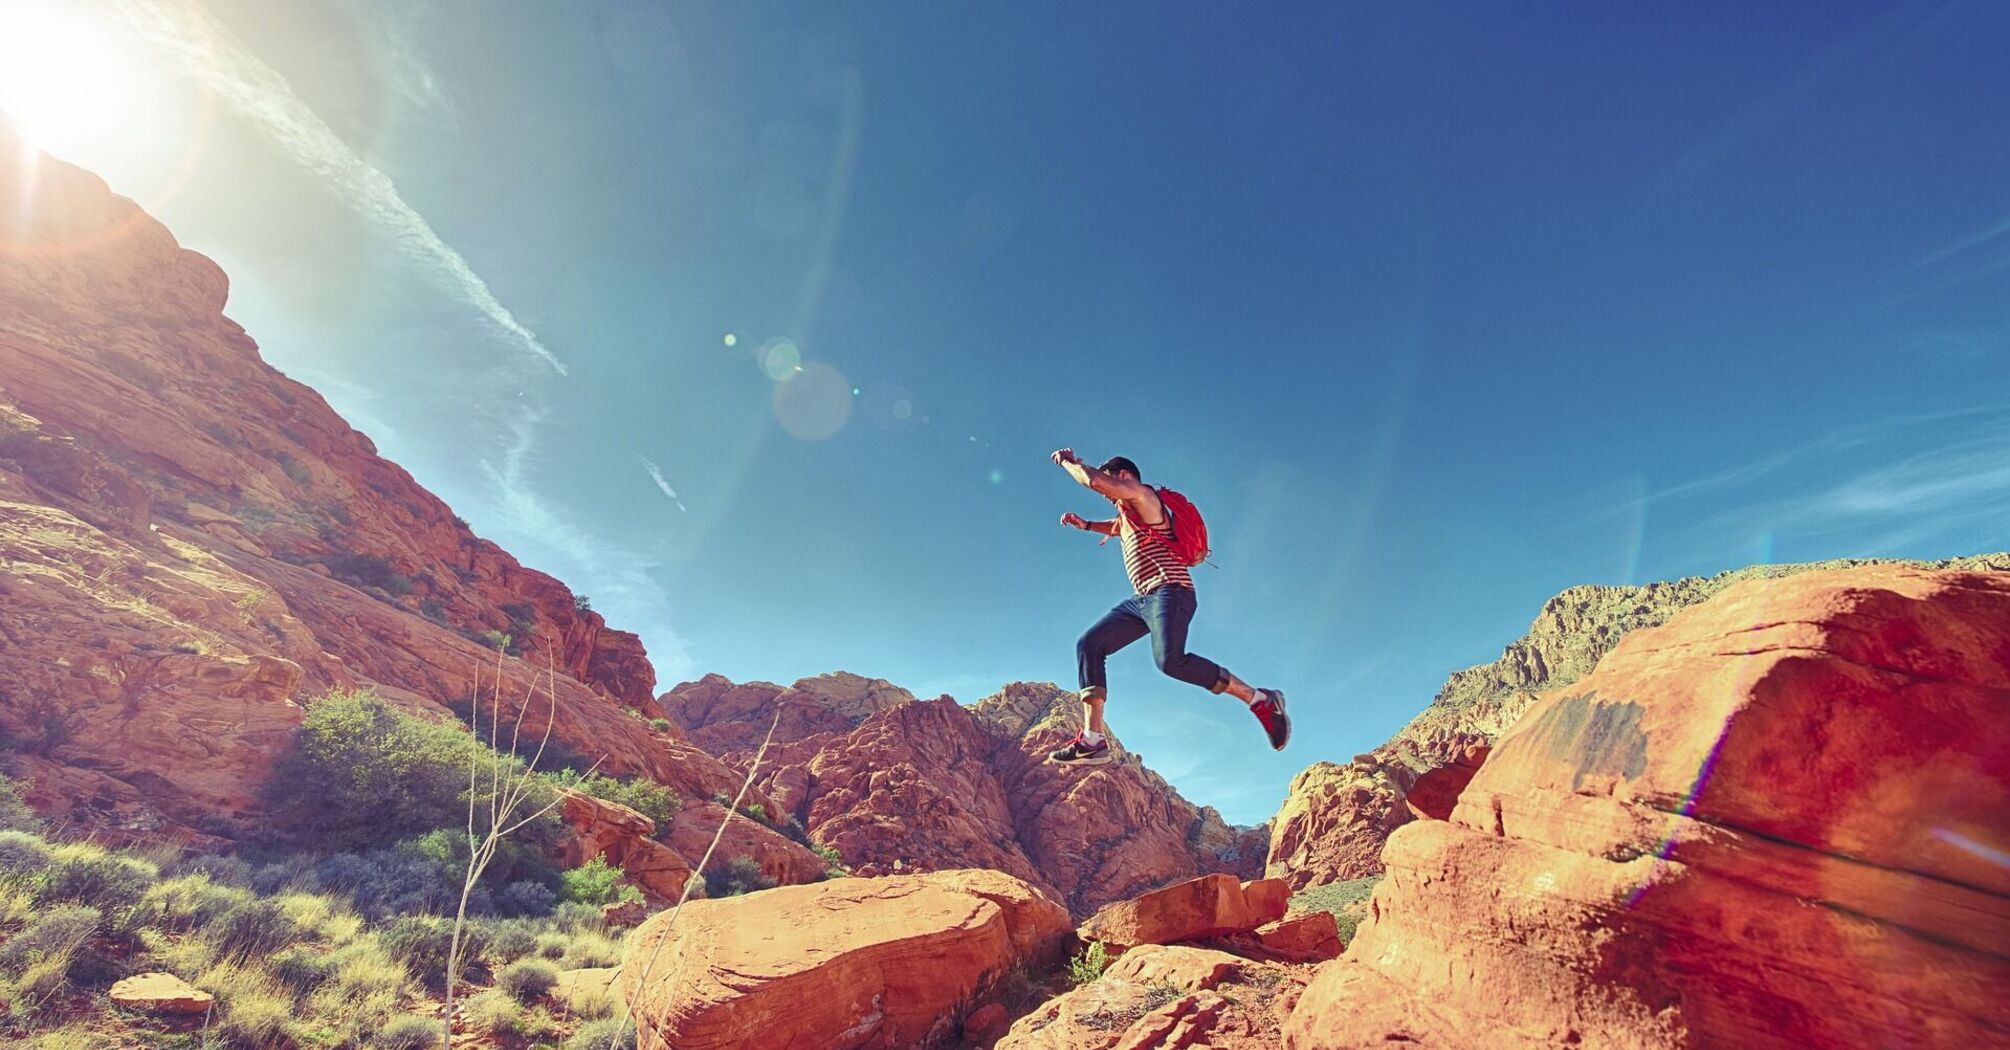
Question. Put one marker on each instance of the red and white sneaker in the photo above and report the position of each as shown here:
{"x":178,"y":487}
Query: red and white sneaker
{"x":1270,"y":711}
{"x":1080,"y":753}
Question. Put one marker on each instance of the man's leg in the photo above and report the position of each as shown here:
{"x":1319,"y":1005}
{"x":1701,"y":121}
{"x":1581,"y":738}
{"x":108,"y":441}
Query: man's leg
{"x":1119,"y":627}
{"x":1169,"y":611}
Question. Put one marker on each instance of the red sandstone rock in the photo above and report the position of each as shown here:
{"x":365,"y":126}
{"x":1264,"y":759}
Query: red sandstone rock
{"x":1433,"y":794}
{"x":1754,"y":826}
{"x":192,"y":543}
{"x":890,"y":962}
{"x":897,"y":785}
{"x":1163,"y":998}
{"x":1310,"y":937}
{"x":1210,"y":906}
{"x":599,"y":828}
{"x":786,"y":862}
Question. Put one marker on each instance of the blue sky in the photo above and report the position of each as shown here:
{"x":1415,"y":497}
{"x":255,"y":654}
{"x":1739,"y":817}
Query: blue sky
{"x":1434,"y":309}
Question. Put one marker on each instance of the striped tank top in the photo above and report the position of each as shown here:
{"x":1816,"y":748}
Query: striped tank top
{"x":1150,"y":563}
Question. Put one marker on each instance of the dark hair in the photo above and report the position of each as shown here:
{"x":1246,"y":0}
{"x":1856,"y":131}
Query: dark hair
{"x":1117,"y":463}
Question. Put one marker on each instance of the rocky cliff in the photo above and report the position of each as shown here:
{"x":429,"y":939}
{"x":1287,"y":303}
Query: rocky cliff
{"x":897,"y":784}
{"x":1775,"y":821}
{"x":191,"y":543}
{"x":1337,"y":815}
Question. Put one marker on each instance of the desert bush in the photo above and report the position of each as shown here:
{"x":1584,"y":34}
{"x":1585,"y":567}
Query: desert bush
{"x":422,"y":942}
{"x":409,"y":1032}
{"x":589,"y":949}
{"x":322,"y":917}
{"x":187,"y":902}
{"x":506,"y":941}
{"x":756,"y":812}
{"x":22,"y":854}
{"x":527,"y":979}
{"x":661,"y":725}
{"x":525,"y":898}
{"x":640,"y":794}
{"x":89,"y":874}
{"x":605,"y":1034}
{"x":361,"y":774}
{"x":581,"y":603}
{"x":279,"y":876}
{"x":595,"y":882}
{"x":220,"y":869}
{"x":56,"y":933}
{"x":575,"y":916}
{"x":302,"y":969}
{"x":253,"y":929}
{"x":834,"y":865}
{"x":1089,"y":965}
{"x":551,"y":944}
{"x":369,"y":570}
{"x":14,"y":812}
{"x":737,"y":876}
{"x":494,"y":1011}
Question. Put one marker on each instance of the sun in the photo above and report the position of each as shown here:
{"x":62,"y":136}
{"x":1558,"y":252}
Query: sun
{"x":63,"y":73}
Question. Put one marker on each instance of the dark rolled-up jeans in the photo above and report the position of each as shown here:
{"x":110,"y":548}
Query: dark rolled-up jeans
{"x":1164,"y":614}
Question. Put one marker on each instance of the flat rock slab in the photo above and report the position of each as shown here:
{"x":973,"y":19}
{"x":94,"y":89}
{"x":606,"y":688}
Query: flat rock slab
{"x":161,"y":993}
{"x":1209,"y":906}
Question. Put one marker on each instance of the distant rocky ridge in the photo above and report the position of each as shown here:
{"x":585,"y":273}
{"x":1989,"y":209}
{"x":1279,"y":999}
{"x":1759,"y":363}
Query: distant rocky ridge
{"x":191,"y":543}
{"x":1337,"y":815}
{"x":898,"y":785}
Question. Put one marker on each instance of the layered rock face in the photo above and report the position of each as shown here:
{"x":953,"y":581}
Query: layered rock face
{"x":191,"y":543}
{"x":900,"y":785}
{"x":1776,"y":821}
{"x":893,"y":962}
{"x":1336,"y":816}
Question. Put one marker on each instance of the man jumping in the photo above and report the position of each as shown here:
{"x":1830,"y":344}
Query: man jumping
{"x":1162,"y":606}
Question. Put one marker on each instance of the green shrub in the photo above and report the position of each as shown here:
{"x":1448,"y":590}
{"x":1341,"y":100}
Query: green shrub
{"x":422,"y":942}
{"x":737,"y":876}
{"x":1089,"y":965}
{"x":56,"y":933}
{"x":302,"y":969}
{"x":188,"y":902}
{"x":642,"y":795}
{"x":22,"y":854}
{"x":90,"y":875}
{"x":252,"y":930}
{"x":489,"y":1010}
{"x":661,"y":725}
{"x":408,"y":1032}
{"x":590,"y":949}
{"x":369,"y":570}
{"x":757,"y":812}
{"x":507,"y":940}
{"x":361,"y":774}
{"x":528,"y":979}
{"x":595,"y":882}
{"x":14,"y":813}
{"x":606,"y":1034}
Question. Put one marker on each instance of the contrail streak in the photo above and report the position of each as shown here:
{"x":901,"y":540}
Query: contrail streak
{"x":656,"y":475}
{"x":204,"y":49}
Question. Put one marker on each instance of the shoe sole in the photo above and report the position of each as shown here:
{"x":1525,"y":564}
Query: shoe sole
{"x":1282,"y":716}
{"x":1102,"y":761}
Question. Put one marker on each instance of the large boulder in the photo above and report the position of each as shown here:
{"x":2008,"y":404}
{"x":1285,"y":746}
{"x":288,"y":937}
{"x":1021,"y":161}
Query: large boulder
{"x":1775,"y":821}
{"x":1209,"y":906}
{"x":888,"y":962}
{"x":1336,"y":816}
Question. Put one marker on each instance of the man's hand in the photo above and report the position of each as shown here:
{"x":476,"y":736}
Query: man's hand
{"x":1074,"y":520}
{"x":1064,"y":457}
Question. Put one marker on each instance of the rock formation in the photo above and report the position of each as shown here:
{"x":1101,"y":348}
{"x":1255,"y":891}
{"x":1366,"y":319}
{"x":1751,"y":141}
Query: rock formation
{"x":900,"y":785}
{"x":1337,"y":815}
{"x":892,"y":962}
{"x":1197,"y":909}
{"x":1167,"y":998}
{"x":192,"y":543}
{"x":1775,"y":821}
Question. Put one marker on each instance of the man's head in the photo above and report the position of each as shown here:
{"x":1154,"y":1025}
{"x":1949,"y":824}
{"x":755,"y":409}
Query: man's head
{"x":1120,"y":465}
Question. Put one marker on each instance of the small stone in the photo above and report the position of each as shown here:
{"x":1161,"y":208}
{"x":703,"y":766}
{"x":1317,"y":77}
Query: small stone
{"x":161,"y":993}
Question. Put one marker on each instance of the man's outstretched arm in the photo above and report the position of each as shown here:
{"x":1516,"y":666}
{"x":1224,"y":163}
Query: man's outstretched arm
{"x":1105,"y":484}
{"x":1074,"y":520}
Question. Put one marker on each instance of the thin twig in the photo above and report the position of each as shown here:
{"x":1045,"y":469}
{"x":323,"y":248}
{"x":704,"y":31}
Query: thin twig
{"x":642,"y":981}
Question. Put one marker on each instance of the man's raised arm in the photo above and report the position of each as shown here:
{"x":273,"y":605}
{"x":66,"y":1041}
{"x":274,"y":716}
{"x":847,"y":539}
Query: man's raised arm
{"x":1105,"y":484}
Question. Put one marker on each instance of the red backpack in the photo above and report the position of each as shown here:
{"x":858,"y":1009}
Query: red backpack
{"x":1189,"y":531}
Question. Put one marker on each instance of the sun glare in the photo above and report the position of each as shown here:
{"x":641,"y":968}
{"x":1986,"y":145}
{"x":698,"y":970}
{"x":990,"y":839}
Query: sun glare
{"x":62,"y":73}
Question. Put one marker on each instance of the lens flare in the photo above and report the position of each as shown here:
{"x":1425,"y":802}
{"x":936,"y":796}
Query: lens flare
{"x":731,"y":339}
{"x":814,"y":402}
{"x":779,"y":358}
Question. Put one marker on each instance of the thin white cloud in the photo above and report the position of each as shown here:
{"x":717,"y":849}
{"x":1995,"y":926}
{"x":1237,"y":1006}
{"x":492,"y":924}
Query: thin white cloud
{"x":205,"y":50}
{"x":616,"y":576}
{"x":656,"y":475}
